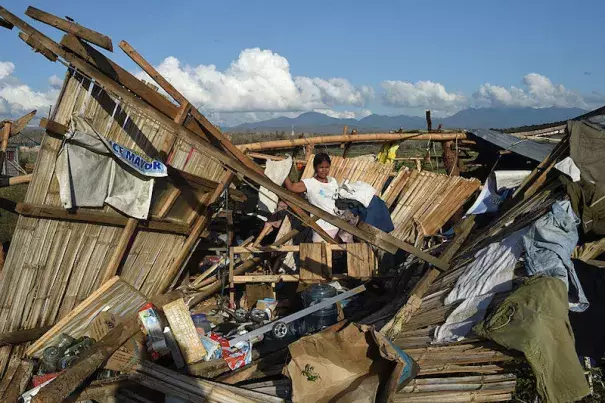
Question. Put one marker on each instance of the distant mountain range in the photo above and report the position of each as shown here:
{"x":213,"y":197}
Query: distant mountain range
{"x":314,"y":122}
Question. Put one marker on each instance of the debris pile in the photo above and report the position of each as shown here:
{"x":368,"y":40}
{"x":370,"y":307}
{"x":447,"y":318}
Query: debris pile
{"x":153,"y":259}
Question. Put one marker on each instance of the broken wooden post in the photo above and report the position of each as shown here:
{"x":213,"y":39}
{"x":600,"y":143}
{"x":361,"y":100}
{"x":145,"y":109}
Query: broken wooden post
{"x":429,"y":123}
{"x":6,"y":24}
{"x":6,"y":131}
{"x":120,"y":250}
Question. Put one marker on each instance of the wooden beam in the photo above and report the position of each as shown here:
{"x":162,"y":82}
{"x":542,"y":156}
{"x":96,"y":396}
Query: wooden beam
{"x":53,"y":127}
{"x":169,"y":202}
{"x":37,"y":47}
{"x":15,"y":180}
{"x":120,"y":250}
{"x":182,"y":114}
{"x":153,"y":73}
{"x":378,"y":238}
{"x":98,"y":217}
{"x":284,"y":248}
{"x":22,"y":336}
{"x":20,"y":124}
{"x":71,"y":28}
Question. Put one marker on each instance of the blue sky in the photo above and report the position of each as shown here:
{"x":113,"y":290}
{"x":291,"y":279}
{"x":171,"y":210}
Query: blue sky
{"x":392,"y":57}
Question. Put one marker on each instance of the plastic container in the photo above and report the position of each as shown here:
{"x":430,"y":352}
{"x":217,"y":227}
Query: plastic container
{"x":50,"y":359}
{"x":324,"y":317}
{"x":202,"y":325}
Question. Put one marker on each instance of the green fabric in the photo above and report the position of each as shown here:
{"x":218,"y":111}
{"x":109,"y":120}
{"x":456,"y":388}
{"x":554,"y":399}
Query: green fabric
{"x":586,"y":148}
{"x":534,"y":320}
{"x":588,"y":202}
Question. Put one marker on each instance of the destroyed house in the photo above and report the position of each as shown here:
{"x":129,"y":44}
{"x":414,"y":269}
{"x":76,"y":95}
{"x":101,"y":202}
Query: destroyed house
{"x":140,"y":270}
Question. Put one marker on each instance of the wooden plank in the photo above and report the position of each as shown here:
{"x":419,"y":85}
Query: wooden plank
{"x":281,"y":248}
{"x":97,"y":217}
{"x":265,"y":278}
{"x":360,"y":260}
{"x":380,"y":239}
{"x":19,"y":124}
{"x":231,"y":278}
{"x":22,"y":336}
{"x":120,"y":250}
{"x":182,"y":114}
{"x":184,"y":331}
{"x":153,"y":73}
{"x":6,"y":131}
{"x":169,"y":202}
{"x":313,"y":262}
{"x":71,"y":27}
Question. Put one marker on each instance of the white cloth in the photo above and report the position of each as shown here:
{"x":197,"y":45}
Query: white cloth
{"x":360,"y":191}
{"x":89,"y":175}
{"x":569,"y":168}
{"x":509,"y":179}
{"x":488,"y":200}
{"x":489,"y":273}
{"x":323,"y":195}
{"x":277,"y":171}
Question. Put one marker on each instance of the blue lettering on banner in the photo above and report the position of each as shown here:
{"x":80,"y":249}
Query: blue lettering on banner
{"x":140,"y":163}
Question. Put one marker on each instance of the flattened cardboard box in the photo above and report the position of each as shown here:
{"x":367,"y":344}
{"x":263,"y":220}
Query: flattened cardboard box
{"x":129,"y":354}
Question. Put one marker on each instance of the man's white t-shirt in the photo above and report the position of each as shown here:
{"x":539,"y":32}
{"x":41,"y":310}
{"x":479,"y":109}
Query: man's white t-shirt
{"x":323,"y":195}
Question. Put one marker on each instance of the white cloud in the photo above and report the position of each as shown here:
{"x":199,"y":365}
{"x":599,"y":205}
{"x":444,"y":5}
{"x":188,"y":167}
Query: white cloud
{"x":345,"y":114}
{"x":17,"y":98}
{"x":259,"y":80}
{"x":55,"y":82}
{"x":6,"y":69}
{"x":540,"y":92}
{"x":422,"y":94}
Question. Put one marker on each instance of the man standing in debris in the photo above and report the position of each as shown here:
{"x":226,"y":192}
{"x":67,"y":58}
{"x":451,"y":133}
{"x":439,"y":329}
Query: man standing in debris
{"x":321,"y":190}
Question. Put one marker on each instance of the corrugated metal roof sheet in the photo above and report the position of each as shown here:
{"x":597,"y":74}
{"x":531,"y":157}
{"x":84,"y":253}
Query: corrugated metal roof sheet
{"x":527,"y":148}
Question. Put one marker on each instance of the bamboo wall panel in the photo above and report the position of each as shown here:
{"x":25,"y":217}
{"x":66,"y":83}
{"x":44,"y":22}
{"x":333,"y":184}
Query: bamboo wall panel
{"x":426,"y":201}
{"x":54,"y":265}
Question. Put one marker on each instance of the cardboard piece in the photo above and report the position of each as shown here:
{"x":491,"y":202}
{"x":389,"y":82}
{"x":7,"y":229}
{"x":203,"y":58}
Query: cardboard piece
{"x":343,"y":366}
{"x":129,"y":354}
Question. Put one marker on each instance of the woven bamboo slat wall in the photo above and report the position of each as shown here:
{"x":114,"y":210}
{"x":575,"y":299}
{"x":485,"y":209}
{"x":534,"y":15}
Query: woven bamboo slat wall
{"x":424,"y":201}
{"x":53,"y":265}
